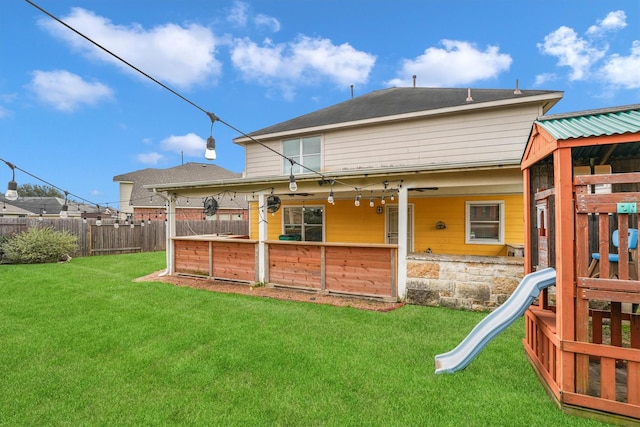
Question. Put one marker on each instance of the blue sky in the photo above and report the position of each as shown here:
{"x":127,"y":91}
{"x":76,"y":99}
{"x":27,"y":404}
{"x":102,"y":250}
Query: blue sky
{"x":75,"y":117}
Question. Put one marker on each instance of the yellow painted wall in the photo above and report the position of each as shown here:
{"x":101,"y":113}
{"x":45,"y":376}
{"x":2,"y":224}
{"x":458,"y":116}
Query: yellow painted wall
{"x":345,"y":222}
{"x":451,"y":210}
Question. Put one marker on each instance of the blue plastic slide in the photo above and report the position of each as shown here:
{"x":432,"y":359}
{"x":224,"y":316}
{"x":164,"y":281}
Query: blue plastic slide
{"x":496,"y":322}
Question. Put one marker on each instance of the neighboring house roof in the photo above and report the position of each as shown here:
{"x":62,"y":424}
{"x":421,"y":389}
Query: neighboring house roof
{"x":398,"y":101}
{"x":52,"y":205}
{"x":606,"y":121}
{"x":189,"y":172}
{"x":10,"y":210}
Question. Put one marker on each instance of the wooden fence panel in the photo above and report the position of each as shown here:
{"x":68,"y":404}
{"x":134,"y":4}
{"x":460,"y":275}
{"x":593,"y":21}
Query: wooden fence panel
{"x":106,"y":239}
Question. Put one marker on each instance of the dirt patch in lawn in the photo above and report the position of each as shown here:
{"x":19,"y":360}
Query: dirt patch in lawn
{"x":271,"y":292}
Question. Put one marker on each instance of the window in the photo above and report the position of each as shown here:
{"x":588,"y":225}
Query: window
{"x":485,"y":222}
{"x":304,"y":221}
{"x":303,"y":151}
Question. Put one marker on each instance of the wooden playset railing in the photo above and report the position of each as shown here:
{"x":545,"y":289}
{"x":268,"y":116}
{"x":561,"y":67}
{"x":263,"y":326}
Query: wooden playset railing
{"x":605,"y":353}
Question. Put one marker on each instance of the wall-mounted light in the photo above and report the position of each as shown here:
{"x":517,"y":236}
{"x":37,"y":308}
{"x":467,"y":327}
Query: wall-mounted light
{"x":210,"y":152}
{"x":12,"y":186}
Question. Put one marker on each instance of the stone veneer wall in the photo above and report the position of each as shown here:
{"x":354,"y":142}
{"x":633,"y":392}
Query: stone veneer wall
{"x":462,"y":282}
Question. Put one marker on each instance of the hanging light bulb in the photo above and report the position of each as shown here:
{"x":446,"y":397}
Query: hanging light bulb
{"x":393,"y":197}
{"x":330,"y":198}
{"x":64,"y":212}
{"x":4,"y":207}
{"x":383,"y":201}
{"x":99,"y":221}
{"x":84,"y":217}
{"x":210,"y":152}
{"x":12,"y":186}
{"x":142,"y":222}
{"x":371,"y":204}
{"x":292,"y":180}
{"x":116,"y":224}
{"x":149,"y":220}
{"x":357,"y":202}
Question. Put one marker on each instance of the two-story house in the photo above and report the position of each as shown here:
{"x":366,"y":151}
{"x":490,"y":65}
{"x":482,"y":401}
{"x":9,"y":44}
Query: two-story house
{"x":331,"y":191}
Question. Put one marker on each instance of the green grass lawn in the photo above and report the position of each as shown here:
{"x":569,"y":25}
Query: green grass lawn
{"x":81,"y":344}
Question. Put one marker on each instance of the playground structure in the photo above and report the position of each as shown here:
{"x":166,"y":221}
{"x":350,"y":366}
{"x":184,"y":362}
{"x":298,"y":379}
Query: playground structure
{"x":582,"y":189}
{"x":496,"y":322}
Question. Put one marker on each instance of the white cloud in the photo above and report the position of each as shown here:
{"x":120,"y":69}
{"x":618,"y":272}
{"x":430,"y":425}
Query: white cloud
{"x":4,"y":112}
{"x":572,"y":51}
{"x":624,"y":71}
{"x":66,"y":91}
{"x":189,"y":144}
{"x":268,"y":22}
{"x":613,"y":21}
{"x":543,"y":78}
{"x":301,"y":62}
{"x":238,"y":14}
{"x":149,"y":158}
{"x":587,"y":57}
{"x":459,"y":62}
{"x":177,"y":55}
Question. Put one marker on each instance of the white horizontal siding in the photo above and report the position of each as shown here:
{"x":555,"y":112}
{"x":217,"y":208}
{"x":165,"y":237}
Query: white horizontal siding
{"x":490,"y":136}
{"x":498,"y":136}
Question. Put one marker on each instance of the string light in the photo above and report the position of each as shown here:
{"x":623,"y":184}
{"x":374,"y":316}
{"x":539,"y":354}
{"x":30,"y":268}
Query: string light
{"x":64,"y":212}
{"x":357,"y":202}
{"x":12,"y":186}
{"x":292,"y":180}
{"x":210,"y":152}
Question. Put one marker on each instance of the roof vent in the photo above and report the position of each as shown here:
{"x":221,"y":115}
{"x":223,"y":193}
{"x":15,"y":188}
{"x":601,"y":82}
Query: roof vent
{"x":517,"y":91}
{"x":469,"y":98}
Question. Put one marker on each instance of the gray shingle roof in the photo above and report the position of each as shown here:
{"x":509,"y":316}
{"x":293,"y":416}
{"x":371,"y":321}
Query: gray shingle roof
{"x":189,"y":172}
{"x":395,"y":101}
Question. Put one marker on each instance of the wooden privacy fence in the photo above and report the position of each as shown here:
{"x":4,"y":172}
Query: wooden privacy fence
{"x":107,"y":239}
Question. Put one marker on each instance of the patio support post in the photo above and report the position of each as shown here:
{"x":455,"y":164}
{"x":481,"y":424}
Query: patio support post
{"x":403,"y":207}
{"x":263,"y":228}
{"x":171,"y":233}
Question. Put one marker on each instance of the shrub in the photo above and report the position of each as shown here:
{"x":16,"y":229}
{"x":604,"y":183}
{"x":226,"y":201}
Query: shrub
{"x":39,"y":245}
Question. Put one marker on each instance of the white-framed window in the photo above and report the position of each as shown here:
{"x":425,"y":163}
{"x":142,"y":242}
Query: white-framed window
{"x":305,"y":151}
{"x":484,"y":222}
{"x":304,"y":223}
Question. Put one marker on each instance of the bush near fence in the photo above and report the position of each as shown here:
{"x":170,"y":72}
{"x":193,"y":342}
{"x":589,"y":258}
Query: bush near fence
{"x":107,"y":239}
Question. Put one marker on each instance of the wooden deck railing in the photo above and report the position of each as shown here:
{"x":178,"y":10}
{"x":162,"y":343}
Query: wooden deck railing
{"x":340,"y":268}
{"x":344,"y":268}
